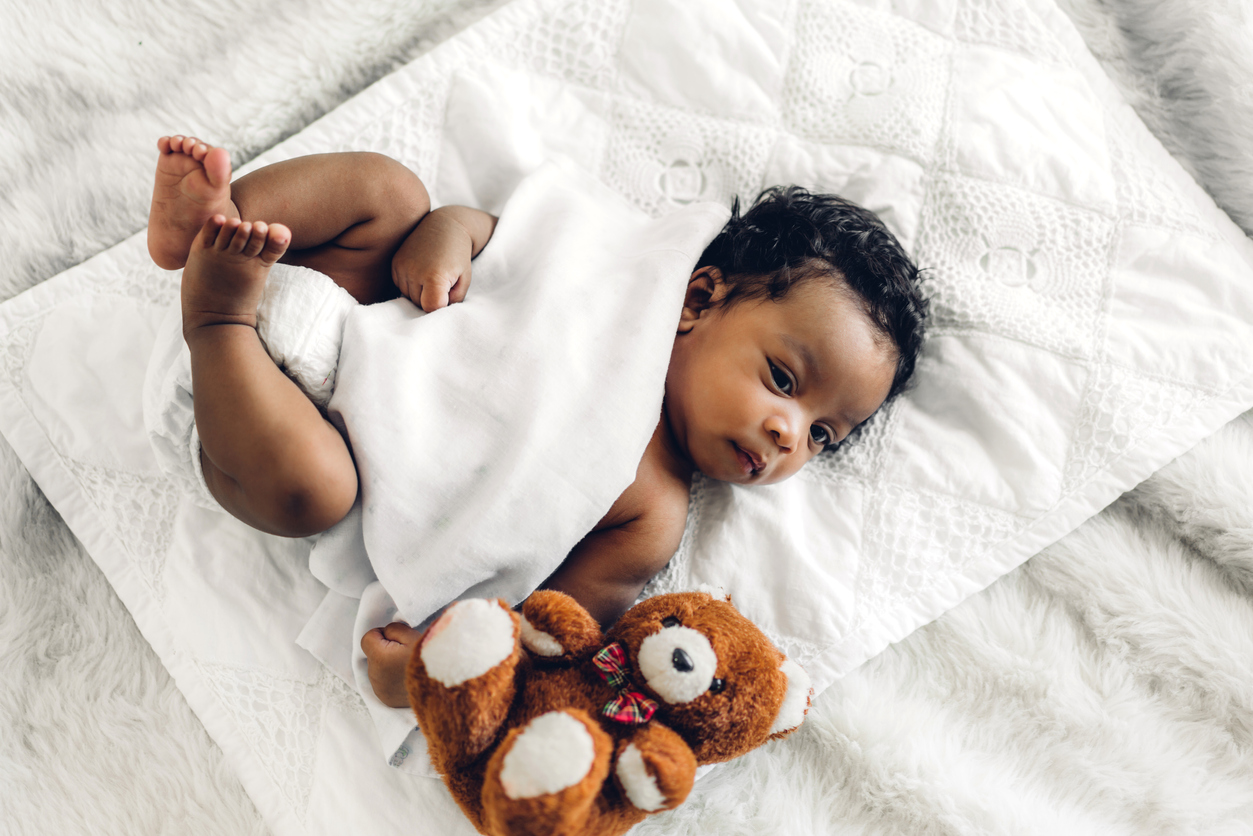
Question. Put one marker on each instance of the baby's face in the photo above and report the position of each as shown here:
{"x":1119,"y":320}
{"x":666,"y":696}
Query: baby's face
{"x":757,"y":389}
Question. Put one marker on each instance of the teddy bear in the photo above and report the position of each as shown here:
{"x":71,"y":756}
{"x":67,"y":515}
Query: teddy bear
{"x":540,"y":723}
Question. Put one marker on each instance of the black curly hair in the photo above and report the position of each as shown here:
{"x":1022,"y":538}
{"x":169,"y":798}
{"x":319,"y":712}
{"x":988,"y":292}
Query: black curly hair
{"x":791,"y":235}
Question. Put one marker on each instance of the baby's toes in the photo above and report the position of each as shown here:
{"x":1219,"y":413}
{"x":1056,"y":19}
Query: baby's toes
{"x":213,"y":229}
{"x":256,"y":241}
{"x":275,"y":243}
{"x":224,"y":232}
{"x":235,"y":245}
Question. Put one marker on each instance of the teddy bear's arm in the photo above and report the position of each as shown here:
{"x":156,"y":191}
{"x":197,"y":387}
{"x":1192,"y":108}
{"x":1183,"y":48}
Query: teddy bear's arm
{"x":655,"y":768}
{"x":557,"y":627}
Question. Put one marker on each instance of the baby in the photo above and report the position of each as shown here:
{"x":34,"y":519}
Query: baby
{"x":801,"y":318}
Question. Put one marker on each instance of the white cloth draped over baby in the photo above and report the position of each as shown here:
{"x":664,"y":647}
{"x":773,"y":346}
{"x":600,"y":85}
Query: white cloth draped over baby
{"x":490,"y":436}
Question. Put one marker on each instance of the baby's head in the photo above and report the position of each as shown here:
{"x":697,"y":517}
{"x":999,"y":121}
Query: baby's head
{"x":801,"y":319}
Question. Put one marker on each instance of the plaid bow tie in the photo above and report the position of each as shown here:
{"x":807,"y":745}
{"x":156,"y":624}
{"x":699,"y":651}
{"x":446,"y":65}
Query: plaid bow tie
{"x":629,"y":706}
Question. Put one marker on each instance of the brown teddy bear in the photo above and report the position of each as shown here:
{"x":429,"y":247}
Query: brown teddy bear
{"x":541,"y":724}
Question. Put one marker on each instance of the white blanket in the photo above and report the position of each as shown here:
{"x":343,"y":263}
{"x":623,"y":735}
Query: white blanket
{"x":1117,"y":400}
{"x":492,"y":435}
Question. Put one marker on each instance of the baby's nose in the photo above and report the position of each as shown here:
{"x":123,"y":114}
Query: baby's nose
{"x":782,"y":428}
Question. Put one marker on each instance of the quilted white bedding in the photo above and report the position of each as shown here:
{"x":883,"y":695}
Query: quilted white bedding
{"x":1092,"y":320}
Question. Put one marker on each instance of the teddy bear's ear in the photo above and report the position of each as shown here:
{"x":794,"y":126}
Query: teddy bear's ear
{"x":795,"y":701}
{"x":718,"y":593}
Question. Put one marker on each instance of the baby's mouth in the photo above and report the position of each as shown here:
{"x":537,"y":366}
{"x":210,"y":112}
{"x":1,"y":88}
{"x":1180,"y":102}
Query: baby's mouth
{"x":749,"y":463}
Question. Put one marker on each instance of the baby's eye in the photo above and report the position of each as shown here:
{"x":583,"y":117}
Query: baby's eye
{"x":781,"y":379}
{"x":820,"y":435}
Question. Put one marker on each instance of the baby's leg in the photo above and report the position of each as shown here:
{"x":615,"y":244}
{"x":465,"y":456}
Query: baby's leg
{"x":348,"y":213}
{"x":269,"y":457}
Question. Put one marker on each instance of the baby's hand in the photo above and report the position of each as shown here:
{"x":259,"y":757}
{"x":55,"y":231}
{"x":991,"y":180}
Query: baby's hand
{"x":432,"y":267}
{"x":387,"y":650}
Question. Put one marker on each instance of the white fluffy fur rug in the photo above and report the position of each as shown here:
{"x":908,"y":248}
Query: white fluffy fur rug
{"x":1105,"y":687}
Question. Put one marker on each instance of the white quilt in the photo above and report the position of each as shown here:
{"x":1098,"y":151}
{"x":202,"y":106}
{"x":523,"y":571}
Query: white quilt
{"x":1091,"y":321}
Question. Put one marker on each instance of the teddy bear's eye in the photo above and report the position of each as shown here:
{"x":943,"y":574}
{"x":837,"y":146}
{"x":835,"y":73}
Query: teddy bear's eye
{"x":670,"y":621}
{"x":717,"y":685}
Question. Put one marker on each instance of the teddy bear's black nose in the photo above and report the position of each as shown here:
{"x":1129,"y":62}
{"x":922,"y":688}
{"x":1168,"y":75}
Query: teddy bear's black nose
{"x":681,"y":661}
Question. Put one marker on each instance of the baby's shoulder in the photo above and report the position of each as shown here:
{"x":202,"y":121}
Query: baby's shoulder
{"x":663,"y":500}
{"x":656,"y":501}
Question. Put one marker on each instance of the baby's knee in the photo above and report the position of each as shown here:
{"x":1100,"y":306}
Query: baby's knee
{"x":309,"y":499}
{"x":396,"y":189}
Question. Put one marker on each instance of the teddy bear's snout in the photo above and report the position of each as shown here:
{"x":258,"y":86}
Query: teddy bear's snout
{"x":678,"y":663}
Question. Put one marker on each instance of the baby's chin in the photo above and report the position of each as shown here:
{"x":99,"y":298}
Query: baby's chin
{"x":737,"y":479}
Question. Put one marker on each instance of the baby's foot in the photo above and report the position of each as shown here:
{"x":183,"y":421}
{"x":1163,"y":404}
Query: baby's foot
{"x":193,"y":184}
{"x":224,"y":279}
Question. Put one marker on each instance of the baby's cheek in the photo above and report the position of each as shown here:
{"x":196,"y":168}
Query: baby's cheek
{"x":789,"y":467}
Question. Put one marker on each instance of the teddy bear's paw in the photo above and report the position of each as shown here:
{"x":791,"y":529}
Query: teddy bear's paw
{"x":539,"y":642}
{"x":556,"y":628}
{"x":547,"y":775}
{"x":656,"y":769}
{"x":467,"y":641}
{"x":553,"y":751}
{"x":638,"y":783}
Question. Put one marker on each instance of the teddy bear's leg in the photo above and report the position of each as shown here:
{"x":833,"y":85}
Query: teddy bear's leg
{"x":546,"y":776}
{"x":462,"y":679}
{"x":655,"y":769}
{"x":556,"y":627}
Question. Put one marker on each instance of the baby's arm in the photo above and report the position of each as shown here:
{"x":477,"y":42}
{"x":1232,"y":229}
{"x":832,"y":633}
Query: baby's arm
{"x":432,"y":266}
{"x":607,"y":569}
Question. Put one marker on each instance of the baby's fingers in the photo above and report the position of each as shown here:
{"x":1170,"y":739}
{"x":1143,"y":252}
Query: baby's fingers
{"x":387,"y":650}
{"x":399,"y":631}
{"x":433,"y":296}
{"x":439,"y":290}
{"x":457,"y":293}
{"x":389,"y":645}
{"x":442,"y":290}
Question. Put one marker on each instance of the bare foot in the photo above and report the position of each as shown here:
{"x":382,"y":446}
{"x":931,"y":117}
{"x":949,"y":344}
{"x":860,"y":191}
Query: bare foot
{"x":224,"y":279}
{"x":193,"y":184}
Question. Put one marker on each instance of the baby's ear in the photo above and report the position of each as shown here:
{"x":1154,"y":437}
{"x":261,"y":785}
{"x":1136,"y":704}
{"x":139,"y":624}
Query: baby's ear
{"x":704,"y":289}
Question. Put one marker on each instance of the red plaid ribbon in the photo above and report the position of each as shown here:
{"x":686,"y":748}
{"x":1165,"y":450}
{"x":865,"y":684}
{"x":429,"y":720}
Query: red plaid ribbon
{"x":629,"y":706}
